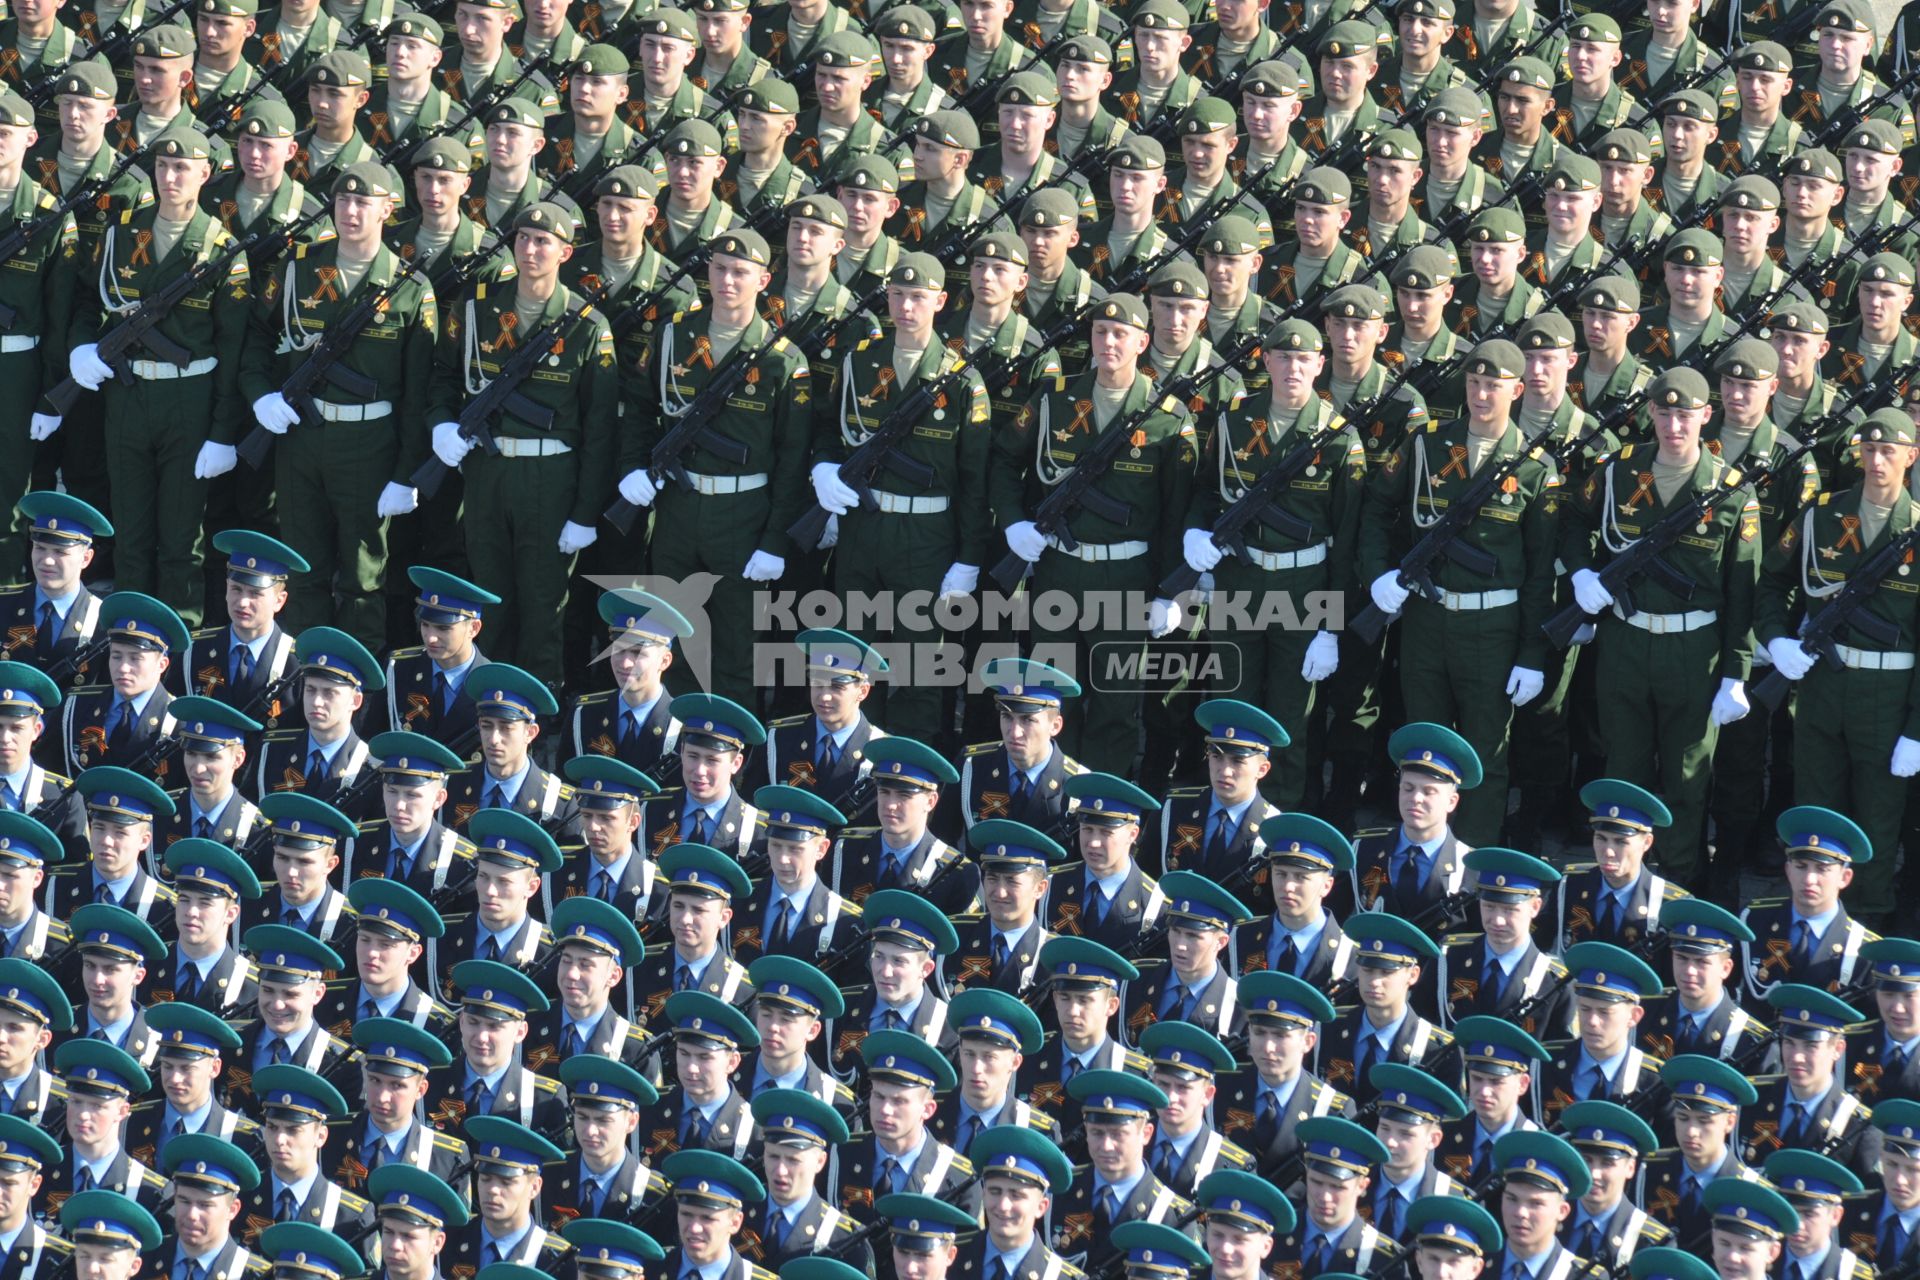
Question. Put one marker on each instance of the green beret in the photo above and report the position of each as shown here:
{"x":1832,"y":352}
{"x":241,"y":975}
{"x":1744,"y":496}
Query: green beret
{"x":1496,"y":358}
{"x":954,"y":129}
{"x":1501,"y":225}
{"x":1814,"y":162}
{"x":1799,"y":317}
{"x":183,"y":142}
{"x":603,"y":60}
{"x":694,"y":138}
{"x":1050,"y":207}
{"x":415,"y":26}
{"x":1028,"y":89}
{"x":1573,"y":172}
{"x":1694,"y":247}
{"x":1751,"y":191}
{"x":524,"y":112}
{"x":1082,"y":48}
{"x":1749,"y":360}
{"x":165,"y":41}
{"x":1122,"y":308}
{"x":1442,"y":10}
{"x":1396,"y":144}
{"x":1691,"y":104}
{"x":820,"y":208}
{"x":918,"y":271}
{"x":1619,"y":294}
{"x":905,"y":22}
{"x":548,"y":217}
{"x":1426,"y":266}
{"x":867,"y":172}
{"x":630,"y":181}
{"x":1272,"y":80}
{"x":1138,"y":152}
{"x":1624,"y":146}
{"x":368,"y":178}
{"x":844,"y":49}
{"x":14,"y":110}
{"x":1294,"y":335}
{"x":770,"y":97}
{"x":91,"y":79}
{"x":445,"y":155}
{"x":670,"y":24}
{"x":1207,"y":115}
{"x":343,"y":67}
{"x":268,"y":120}
{"x":1459,"y":106}
{"x":1349,"y":39}
{"x":1355,"y":302}
{"x":1546,"y":331}
{"x":1679,"y":388}
{"x":1324,"y":185}
{"x":1595,"y":28}
{"x":1231,"y":234}
{"x":1528,"y":71}
{"x":1161,"y":15}
{"x":1875,"y":134}
{"x":1764,"y":55}
{"x":1887,"y":426}
{"x":745,"y":243}
{"x":1178,"y":279}
{"x":1854,"y":16}
{"x":1886,"y":268}
{"x":1001,"y":246}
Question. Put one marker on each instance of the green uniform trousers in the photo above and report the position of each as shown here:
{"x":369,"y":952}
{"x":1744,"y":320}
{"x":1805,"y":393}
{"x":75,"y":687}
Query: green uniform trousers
{"x":18,"y":369}
{"x":1105,"y":736}
{"x":1270,"y":662}
{"x":895,"y":554}
{"x":515,"y":508}
{"x":1453,"y":672}
{"x":1656,"y":703}
{"x":154,"y":432}
{"x":715,"y":533}
{"x":329,"y":477}
{"x":1843,"y":736}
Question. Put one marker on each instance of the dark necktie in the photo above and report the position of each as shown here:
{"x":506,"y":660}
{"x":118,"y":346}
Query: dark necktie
{"x":999,"y":952}
{"x":492,"y":1254}
{"x":1096,"y":904}
{"x":696,"y":827}
{"x":490,"y":949}
{"x":1388,"y":1222}
{"x":1321,"y":1256}
{"x":443,"y":691}
{"x":1363,"y":1056}
{"x":571,"y":1044}
{"x":203,"y":828}
{"x":1266,"y":1120}
{"x":242,"y":665}
{"x":1000,"y":1271}
{"x":828,"y":755}
{"x":973,"y":1127}
{"x":374,"y":1153}
{"x":682,"y":978}
{"x":85,"y":1181}
{"x":1690,"y":1198}
{"x":1108,"y":1208}
{"x":479,"y":1098}
{"x":1219,"y":837}
{"x":187,"y":986}
{"x":776,"y":1229}
{"x":368,"y":1009}
{"x":292,"y":918}
{"x":1165,"y":1160}
{"x":782,"y":925}
{"x":496,"y":798}
{"x":602,"y":886}
{"x":693,"y":1130}
{"x":189,"y":1270}
{"x":103,"y":893}
{"x":400,"y":864}
{"x":1019,"y":792}
{"x":1495,"y":985}
{"x":316,"y":769}
{"x":1609,"y":915}
{"x":277,"y":1051}
{"x":1802,"y":945}
{"x":283,"y":1205}
{"x":1893,"y":1241}
{"x":1587,"y":1242}
{"x":1794,"y":1132}
{"x":119,"y":725}
{"x":47,"y":632}
{"x":8,"y":800}
{"x":1893,"y":1063}
{"x":1406,"y":886}
{"x":1288,"y":961}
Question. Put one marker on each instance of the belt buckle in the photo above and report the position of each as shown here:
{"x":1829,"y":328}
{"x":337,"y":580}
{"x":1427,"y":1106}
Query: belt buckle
{"x":1452,"y":601}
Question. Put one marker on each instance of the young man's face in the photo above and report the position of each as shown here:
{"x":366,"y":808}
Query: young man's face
{"x":287,"y":1007}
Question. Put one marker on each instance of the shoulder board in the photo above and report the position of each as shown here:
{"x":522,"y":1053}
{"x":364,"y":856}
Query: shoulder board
{"x":983,"y":748}
{"x":1766,"y":904}
{"x":299,"y":252}
{"x":1187,"y":793}
{"x":147,"y":1104}
{"x":1556,"y":967}
{"x":1626,"y":451}
{"x":1371,"y":832}
{"x":151,"y":1179}
{"x":1577,"y":868}
{"x":1071,"y":766}
{"x":59,"y":1246}
{"x":1824,"y":498}
{"x":285,"y":735}
{"x":447,"y":1142}
{"x":781,"y":344}
{"x":1446,"y":1037}
{"x":1433,"y":426}
{"x":353,"y":1203}
{"x":1770,"y":1078}
{"x":787,"y":722}
{"x":1137,"y":1062}
{"x":207,"y":633}
{"x":961,"y":1164}
{"x":542,"y":1084}
{"x":858,"y":833}
{"x":1458,"y":939}
{"x":842,"y":1093}
{"x":591,"y":699}
{"x":411,"y":651}
{"x":760,"y":1273}
{"x":1674,"y":892}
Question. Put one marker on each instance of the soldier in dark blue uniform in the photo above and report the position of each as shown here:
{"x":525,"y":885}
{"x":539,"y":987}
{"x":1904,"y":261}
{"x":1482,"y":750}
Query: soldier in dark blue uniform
{"x":1414,"y":1107}
{"x":121,"y":809}
{"x":901,"y":851}
{"x":1707,"y":1097}
{"x":792,"y":911}
{"x":1608,"y":1227}
{"x":1387,"y":1025}
{"x":906,"y":938}
{"x":395,"y":1061}
{"x":1501,"y":1062}
{"x":416,"y":1210}
{"x":1341,"y":1159}
{"x":799,"y":1137}
{"x":1883,"y":1055}
{"x":412,"y":844}
{"x":126,"y":721}
{"x":1002,"y":947}
{"x":792,"y":1006}
{"x":1808,"y":936}
{"x":1106,"y":897}
{"x":598,"y":948}
{"x":996,"y":1034}
{"x":509,"y":703}
{"x":1499,"y":971}
{"x":394,"y":931}
{"x":1410,"y":869}
{"x":1544,"y":1176}
{"x":1601,"y":1060}
{"x":1308,"y":861}
{"x":511,"y":856}
{"x":1265,"y":1103}
{"x":326,"y":759}
{"x":425,"y":681}
{"x":214,"y":751}
{"x":53,"y":619}
{"x":703,"y":1111}
{"x":1819,"y":1189}
{"x":612,"y":864}
{"x":310,"y":842}
{"x":1703,"y":1014}
{"x":604,"y":1178}
{"x":205,"y":968}
{"x":826,"y":751}
{"x":1617,"y":898}
{"x":26,"y":931}
{"x":634,"y":720}
{"x":244,"y":663}
{"x":1022,"y":776}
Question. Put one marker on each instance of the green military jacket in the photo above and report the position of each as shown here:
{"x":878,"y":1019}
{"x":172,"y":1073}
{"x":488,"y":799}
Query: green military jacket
{"x":715,"y":218}
{"x":837,"y":319}
{"x":1634,"y":76}
{"x":291,"y":202}
{"x":265,"y":48}
{"x":1095,"y":254}
{"x":1241,"y":441}
{"x":130,"y":192}
{"x":1445,"y":397}
{"x":1767,"y":282}
{"x":1199,"y":357}
{"x":1618,"y":503}
{"x":218,"y":107}
{"x":535,"y":88}
{"x":1281,"y":286}
{"x":861,"y":272}
{"x":688,"y":102}
{"x":300,"y":297}
{"x":1209,"y":64}
{"x":1831,"y":432}
{"x":1781,"y":500}
{"x":307,"y":167}
{"x":1571,"y":423}
{"x":1480,"y":317}
{"x":1803,"y":104}
{"x":38,"y":283}
{"x":631,"y":332}
{"x":1706,"y":193}
{"x":1383,"y":424}
{"x":1618,"y":108}
{"x":1845,"y":364}
{"x":1071,"y":294}
{"x":746,"y":69}
{"x":1834,"y":286}
{"x":578,"y":380}
{"x":472,"y":254}
{"x":1024,"y":363}
{"x":577,"y":174}
{"x":1489,"y":156}
{"x":1314,"y":125}
{"x":1587,"y":254}
{"x":926,"y":98}
{"x":1084,"y":18}
{"x":947,"y":68}
{"x":783,"y":186}
{"x":1812,"y":557}
{"x":1400,"y":104}
{"x":771,"y":38}
{"x":133,"y":18}
{"x":1657,"y":344}
{"x":1124,"y":100}
{"x":61,"y":48}
{"x":811,"y":157}
{"x":1035,"y":450}
{"x":474,"y":203}
{"x":1178,"y":205}
{"x":438,"y":111}
{"x":952,"y":438}
{"x":1730,"y":157}
{"x":1519,"y":527}
{"x":1520,"y":31}
{"x":1049,"y":171}
{"x":1477,"y":189}
{"x":210,"y":322}
{"x":768,"y":413}
{"x":1887,"y":214}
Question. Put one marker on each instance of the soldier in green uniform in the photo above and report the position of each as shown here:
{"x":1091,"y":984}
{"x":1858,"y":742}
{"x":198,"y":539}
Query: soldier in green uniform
{"x":1344,"y":109}
{"x":258,"y":191}
{"x":1455,"y":184}
{"x":1522,"y":144}
{"x":77,"y":152}
{"x":37,"y":303}
{"x":343,"y":476}
{"x":1760,"y":136}
{"x":1151,"y":483}
{"x":288,"y":37}
{"x":1686,"y":183}
{"x":729,"y":518}
{"x":1849,"y":712}
{"x":931,"y":537}
{"x":407,"y":109}
{"x":760,"y":180}
{"x":1085,"y":127}
{"x":1673,"y":670}
{"x":1319,"y":259}
{"x":1563,"y":249}
{"x":1591,"y":103}
{"x":1420,"y":69}
{"x":43,"y":46}
{"x":485,"y":64}
{"x":1123,"y":245}
{"x":223,"y":79}
{"x":336,"y":90}
{"x":1500,"y":298}
{"x":1876,"y":344}
{"x":1057,"y":287}
{"x":539,"y":492}
{"x":1806,"y":405}
{"x":1456,"y":648}
{"x":1749,"y":216}
{"x":1422,"y":290}
{"x":170,"y":427}
{"x":1611,"y":372}
{"x":1280,"y":664}
{"x":508,"y":183}
{"x":868,"y":188}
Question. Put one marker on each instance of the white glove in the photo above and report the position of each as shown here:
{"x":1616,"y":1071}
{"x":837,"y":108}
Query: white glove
{"x":1201,"y":553}
{"x":1588,"y":592}
{"x":449,"y":445}
{"x":834,"y":493}
{"x":762,"y":567}
{"x":274,"y":413}
{"x":1026,"y":541}
{"x":830,"y":536}
{"x":44,"y":425}
{"x":1323,"y":658}
{"x":576,"y":537}
{"x":1388,"y":595}
{"x":1790,"y":658}
{"x":1163,"y":617}
{"x":638,"y":488}
{"x":214,"y":460}
{"x":86,"y":366}
{"x":1731,"y":702}
{"x":959,"y":580}
{"x":396,"y":500}
{"x":1524,"y":685}
{"x":1906,"y":758}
